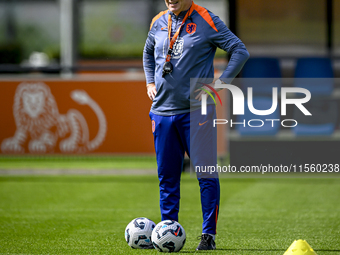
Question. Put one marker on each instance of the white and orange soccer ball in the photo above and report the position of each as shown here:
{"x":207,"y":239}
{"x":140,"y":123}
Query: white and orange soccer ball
{"x":168,"y":236}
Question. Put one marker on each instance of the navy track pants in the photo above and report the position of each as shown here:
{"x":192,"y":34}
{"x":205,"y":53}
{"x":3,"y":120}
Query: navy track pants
{"x":194,"y":134}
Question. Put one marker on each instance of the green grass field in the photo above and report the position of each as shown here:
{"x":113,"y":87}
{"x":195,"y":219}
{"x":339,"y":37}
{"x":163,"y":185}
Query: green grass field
{"x":78,"y":162}
{"x":88,"y":214}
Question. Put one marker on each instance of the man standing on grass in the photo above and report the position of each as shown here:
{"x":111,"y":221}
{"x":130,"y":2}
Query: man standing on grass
{"x":181,"y":44}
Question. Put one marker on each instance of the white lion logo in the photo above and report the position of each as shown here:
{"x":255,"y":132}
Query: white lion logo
{"x":36,"y":114}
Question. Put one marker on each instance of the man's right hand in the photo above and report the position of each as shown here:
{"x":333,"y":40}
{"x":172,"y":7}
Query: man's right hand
{"x":151,"y":90}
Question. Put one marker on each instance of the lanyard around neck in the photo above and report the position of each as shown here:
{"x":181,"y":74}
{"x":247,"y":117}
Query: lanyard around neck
{"x":174,"y":38}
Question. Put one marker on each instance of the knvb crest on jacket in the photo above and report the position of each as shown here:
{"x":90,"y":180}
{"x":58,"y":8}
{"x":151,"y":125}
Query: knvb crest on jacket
{"x":191,"y":28}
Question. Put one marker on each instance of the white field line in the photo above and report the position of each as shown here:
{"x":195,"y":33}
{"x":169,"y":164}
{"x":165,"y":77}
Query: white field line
{"x":7,"y":172}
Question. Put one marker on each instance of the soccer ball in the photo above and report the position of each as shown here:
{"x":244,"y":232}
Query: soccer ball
{"x":138,"y":233}
{"x":168,"y":236}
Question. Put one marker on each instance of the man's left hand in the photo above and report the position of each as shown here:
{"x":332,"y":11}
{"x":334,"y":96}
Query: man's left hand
{"x":208,"y":88}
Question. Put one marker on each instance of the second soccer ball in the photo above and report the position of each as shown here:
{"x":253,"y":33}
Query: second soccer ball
{"x":168,"y":236}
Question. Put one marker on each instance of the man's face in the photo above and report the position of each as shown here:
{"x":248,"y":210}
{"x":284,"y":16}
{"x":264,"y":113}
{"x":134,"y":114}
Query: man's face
{"x":177,"y":6}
